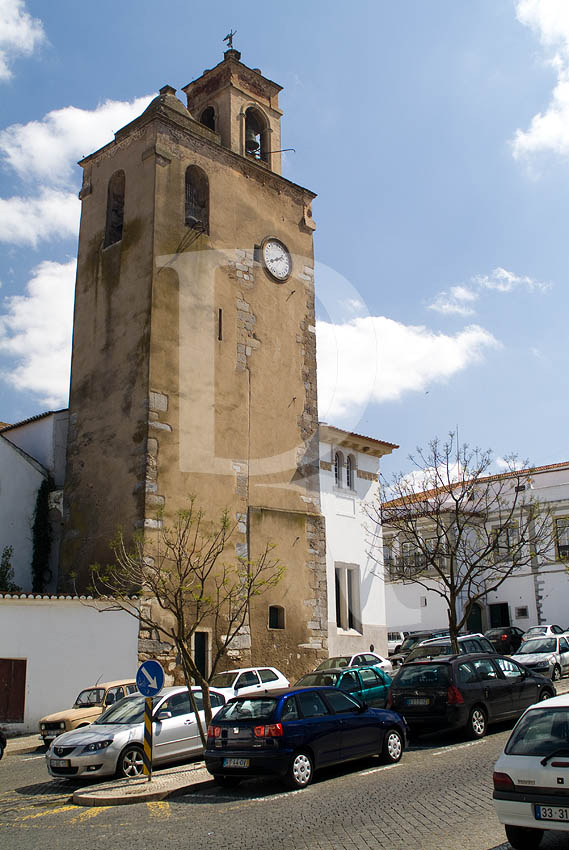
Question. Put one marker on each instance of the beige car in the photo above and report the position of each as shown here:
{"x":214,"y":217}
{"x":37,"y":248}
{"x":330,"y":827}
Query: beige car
{"x":89,"y":705}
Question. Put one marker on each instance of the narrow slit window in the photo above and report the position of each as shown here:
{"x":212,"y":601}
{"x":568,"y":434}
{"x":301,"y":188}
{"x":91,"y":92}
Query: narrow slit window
{"x":220,"y":324}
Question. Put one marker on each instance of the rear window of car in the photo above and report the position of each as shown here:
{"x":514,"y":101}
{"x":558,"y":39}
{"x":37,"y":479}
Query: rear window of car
{"x":324,"y":677}
{"x":246,"y":708}
{"x":540,"y":732}
{"x":422,"y":675}
{"x":268,"y":676}
{"x":430,"y":650}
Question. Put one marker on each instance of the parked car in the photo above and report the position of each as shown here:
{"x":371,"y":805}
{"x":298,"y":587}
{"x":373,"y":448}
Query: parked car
{"x":369,"y":684}
{"x":442,"y":646}
{"x":465,"y":692}
{"x":2,"y":743}
{"x":89,"y":705}
{"x":546,"y":655}
{"x":394,"y":641}
{"x":248,"y":680}
{"x":542,"y":631}
{"x":292,"y":733}
{"x":360,"y":659}
{"x":505,"y":639}
{"x":412,"y":639}
{"x":531,"y":789}
{"x":113,"y":743}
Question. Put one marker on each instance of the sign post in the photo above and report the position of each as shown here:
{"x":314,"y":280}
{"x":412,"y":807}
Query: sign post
{"x":149,"y":681}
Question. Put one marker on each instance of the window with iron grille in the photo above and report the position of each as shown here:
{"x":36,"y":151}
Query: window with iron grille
{"x":562,"y":537}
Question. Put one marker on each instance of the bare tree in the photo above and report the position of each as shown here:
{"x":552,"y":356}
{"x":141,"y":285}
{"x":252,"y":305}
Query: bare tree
{"x":457,"y":530}
{"x":181,"y":570}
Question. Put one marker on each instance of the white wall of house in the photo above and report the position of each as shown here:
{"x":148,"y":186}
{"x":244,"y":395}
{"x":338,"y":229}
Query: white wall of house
{"x":44,"y":438}
{"x":67,"y":646}
{"x":20,"y":479}
{"x":532,"y":596}
{"x":348,"y":542}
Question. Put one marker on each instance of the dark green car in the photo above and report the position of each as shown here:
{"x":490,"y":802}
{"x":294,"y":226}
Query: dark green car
{"x":370,"y":684}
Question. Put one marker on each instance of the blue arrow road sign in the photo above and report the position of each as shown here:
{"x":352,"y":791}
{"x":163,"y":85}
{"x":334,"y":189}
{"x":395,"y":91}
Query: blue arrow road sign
{"x":150,"y":678}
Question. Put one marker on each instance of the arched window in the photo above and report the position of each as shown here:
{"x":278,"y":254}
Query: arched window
{"x":338,"y":464}
{"x":256,"y":135}
{"x":115,"y":209}
{"x":276,"y":617}
{"x":350,"y":472}
{"x":197,"y":199}
{"x":207,"y":118}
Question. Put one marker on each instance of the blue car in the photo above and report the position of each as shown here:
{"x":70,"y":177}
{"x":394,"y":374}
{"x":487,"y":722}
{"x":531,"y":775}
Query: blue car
{"x":291,"y":733}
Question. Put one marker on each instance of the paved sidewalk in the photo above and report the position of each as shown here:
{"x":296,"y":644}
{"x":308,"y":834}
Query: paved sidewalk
{"x":164,"y":783}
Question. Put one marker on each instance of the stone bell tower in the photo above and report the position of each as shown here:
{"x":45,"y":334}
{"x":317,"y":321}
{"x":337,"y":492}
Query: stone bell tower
{"x":194,"y":354}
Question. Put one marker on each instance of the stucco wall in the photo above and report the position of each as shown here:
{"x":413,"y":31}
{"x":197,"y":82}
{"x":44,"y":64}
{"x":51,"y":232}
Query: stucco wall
{"x":348,"y":542}
{"x":20,"y":480}
{"x":67,"y":646}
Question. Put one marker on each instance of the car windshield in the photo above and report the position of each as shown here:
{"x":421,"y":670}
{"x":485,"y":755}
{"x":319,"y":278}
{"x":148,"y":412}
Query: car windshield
{"x":129,"y":710}
{"x":91,"y":696}
{"x":540,"y":732}
{"x":408,"y":643}
{"x":223,"y":680}
{"x":430,"y":650}
{"x":317,"y":678}
{"x":422,"y":675}
{"x":247,"y":708}
{"x":538,"y":645}
{"x":336,"y":661}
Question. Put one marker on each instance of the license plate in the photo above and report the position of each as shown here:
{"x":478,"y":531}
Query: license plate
{"x":417,"y":701}
{"x":559,"y":813}
{"x":236,"y":762}
{"x":60,"y":763}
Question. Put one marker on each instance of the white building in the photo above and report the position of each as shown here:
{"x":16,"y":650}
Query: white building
{"x":31,"y":452}
{"x":349,"y":467}
{"x":538,"y":593}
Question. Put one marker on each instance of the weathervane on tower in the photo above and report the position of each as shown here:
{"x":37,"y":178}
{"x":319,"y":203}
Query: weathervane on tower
{"x":229,"y":38}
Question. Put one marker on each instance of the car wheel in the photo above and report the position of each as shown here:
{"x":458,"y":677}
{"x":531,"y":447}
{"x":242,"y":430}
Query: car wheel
{"x":300,"y":771}
{"x":556,"y":675}
{"x":545,"y":694}
{"x":227,"y":781}
{"x":523,"y":837}
{"x":477,"y":723}
{"x":131,"y":762}
{"x":392,"y":748}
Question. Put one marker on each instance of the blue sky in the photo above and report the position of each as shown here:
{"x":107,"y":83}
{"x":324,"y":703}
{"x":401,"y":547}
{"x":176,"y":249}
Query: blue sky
{"x":437,"y":138}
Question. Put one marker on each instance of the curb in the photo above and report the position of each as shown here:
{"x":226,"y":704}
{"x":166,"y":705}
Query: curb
{"x":82,"y":798}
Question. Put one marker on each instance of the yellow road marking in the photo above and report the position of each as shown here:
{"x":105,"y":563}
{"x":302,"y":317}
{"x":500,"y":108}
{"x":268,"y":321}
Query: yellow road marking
{"x":87,"y":814}
{"x":159,"y":809}
{"x":50,"y":812}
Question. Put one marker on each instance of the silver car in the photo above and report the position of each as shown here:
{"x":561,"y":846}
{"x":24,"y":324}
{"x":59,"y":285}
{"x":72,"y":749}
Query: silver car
{"x":546,"y":655}
{"x":113,"y":744}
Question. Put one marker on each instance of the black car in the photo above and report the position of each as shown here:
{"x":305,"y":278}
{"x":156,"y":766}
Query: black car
{"x":291,"y":733}
{"x":412,"y":640}
{"x":505,"y":639}
{"x":465,"y":691}
{"x":442,"y":646}
{"x":2,"y":743}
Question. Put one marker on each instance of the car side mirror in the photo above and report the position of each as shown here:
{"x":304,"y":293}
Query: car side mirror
{"x":164,"y":715}
{"x":363,"y":707}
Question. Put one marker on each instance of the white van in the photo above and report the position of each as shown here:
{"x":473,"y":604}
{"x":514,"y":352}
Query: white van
{"x":394,"y":641}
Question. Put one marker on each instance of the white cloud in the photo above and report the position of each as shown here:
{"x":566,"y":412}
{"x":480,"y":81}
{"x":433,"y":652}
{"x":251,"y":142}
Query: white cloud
{"x":27,"y":221}
{"x":459,"y":299}
{"x":48,"y":150}
{"x":549,"y":130}
{"x":376,"y":359}
{"x":35,"y":330}
{"x":20,"y":34}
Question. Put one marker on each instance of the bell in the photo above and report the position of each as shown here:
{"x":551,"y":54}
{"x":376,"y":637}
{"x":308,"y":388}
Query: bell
{"x":251,"y":141}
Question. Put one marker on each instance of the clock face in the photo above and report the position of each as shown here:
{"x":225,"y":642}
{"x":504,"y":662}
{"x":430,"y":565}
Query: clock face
{"x":277,"y":259}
